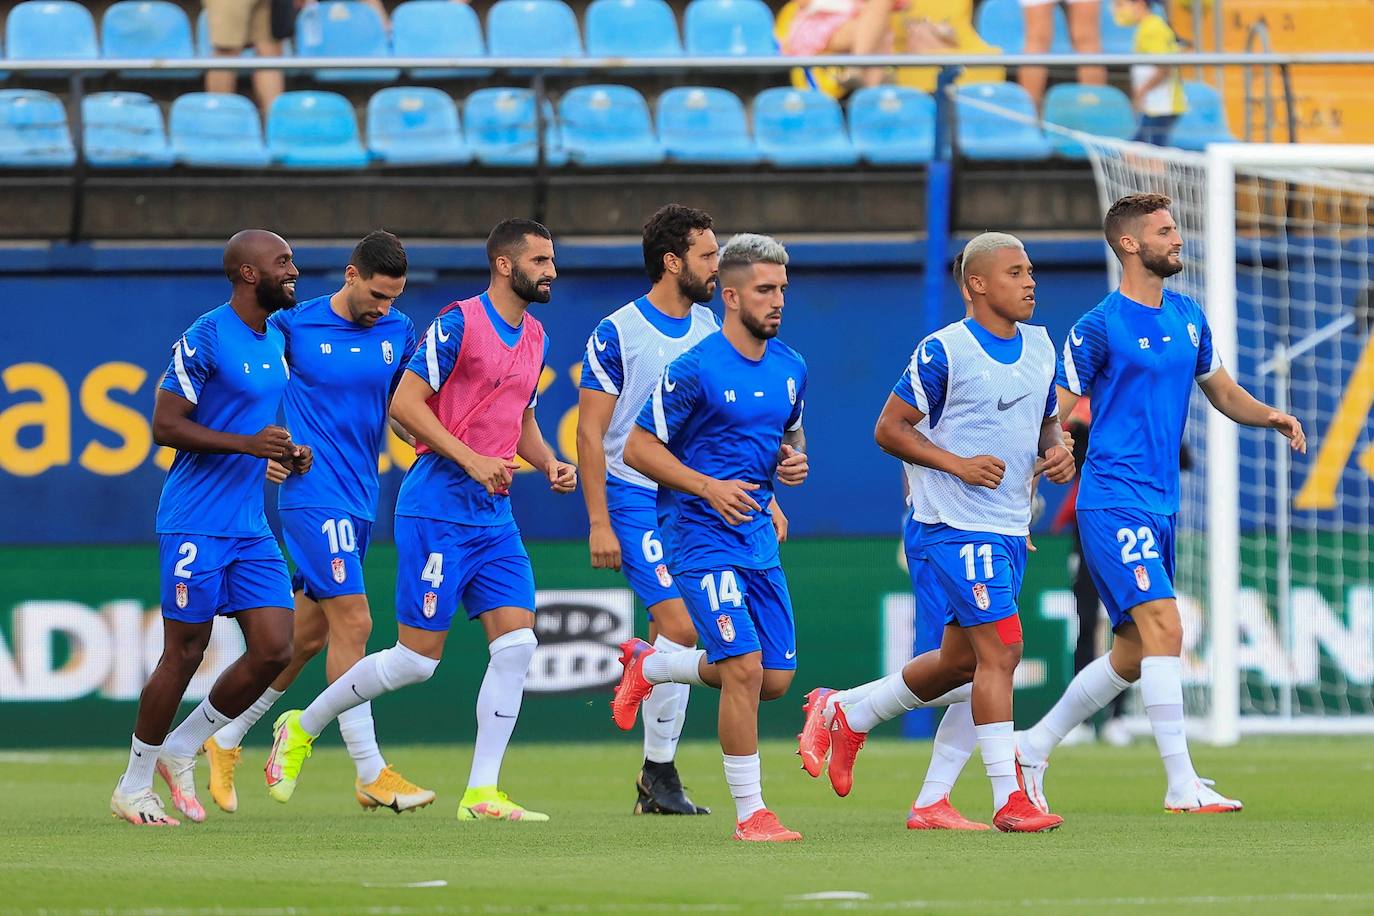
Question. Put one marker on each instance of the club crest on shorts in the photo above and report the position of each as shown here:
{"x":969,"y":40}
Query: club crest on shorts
{"x":387,"y":354}
{"x":338,"y":569}
{"x":1142,"y":578}
{"x":665,"y":578}
{"x":183,"y":595}
{"x":1192,"y":334}
{"x":791,"y":390}
{"x":727,"y":627}
{"x":431,"y":605}
{"x":981,"y":597}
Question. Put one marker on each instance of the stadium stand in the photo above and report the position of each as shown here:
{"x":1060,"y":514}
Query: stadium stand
{"x":314,"y":130}
{"x":607,"y":126}
{"x":348,"y":28}
{"x":1102,"y":110}
{"x":1001,"y":24}
{"x":437,"y":28}
{"x":147,"y":28}
{"x":51,"y":30}
{"x":533,"y":29}
{"x":33,"y":130}
{"x":415,"y":125}
{"x":703,"y":125}
{"x":632,"y":28}
{"x":729,"y":28}
{"x":501,"y":129}
{"x":124,"y":130}
{"x":986,"y":135}
{"x":892,"y":125}
{"x":213,"y":130}
{"x":801,"y":129}
{"x":1205,"y":120}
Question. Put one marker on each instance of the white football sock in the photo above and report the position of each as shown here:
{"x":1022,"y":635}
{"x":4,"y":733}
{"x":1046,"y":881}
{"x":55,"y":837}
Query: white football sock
{"x":744,"y":777}
{"x":1161,"y":688}
{"x":194,"y":730}
{"x":850,"y":697}
{"x":1091,"y":689}
{"x":661,"y":707}
{"x":360,"y":737}
{"x":954,"y":742}
{"x":680,"y":719}
{"x":138,"y":775}
{"x":675,"y":667}
{"x":997,"y":741}
{"x":498,"y":703}
{"x":378,"y":673}
{"x":231,"y":736}
{"x":887,"y":700}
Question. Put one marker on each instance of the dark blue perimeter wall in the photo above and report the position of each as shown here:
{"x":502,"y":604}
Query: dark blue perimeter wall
{"x":89,"y":332}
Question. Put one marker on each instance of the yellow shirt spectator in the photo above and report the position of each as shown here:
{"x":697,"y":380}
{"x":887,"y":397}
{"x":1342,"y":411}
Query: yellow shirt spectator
{"x":1153,"y":36}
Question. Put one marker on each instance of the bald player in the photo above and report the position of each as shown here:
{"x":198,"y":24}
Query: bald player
{"x":217,"y":406}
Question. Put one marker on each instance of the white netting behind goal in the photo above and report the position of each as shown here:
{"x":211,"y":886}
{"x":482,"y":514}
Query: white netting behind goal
{"x":1303,"y":303}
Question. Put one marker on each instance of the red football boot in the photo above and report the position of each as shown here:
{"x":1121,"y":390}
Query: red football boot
{"x":845,"y":744}
{"x":633,"y":686}
{"x":940,"y":816}
{"x":814,"y":741}
{"x":1018,"y":815}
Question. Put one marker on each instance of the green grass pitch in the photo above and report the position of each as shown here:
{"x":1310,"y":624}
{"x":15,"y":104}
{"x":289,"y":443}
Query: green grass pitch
{"x":1302,"y":845}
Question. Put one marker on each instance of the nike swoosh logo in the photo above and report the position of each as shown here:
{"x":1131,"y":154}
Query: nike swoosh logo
{"x":1010,"y":404}
{"x":925,"y":357}
{"x":668,"y":384}
{"x":138,"y":753}
{"x":790,"y":655}
{"x":666,"y":721}
{"x":207,"y":717}
{"x":187,"y":349}
{"x":439,"y":332}
{"x":1073,"y":336}
{"x":503,"y":716}
{"x":600,"y":345}
{"x":354,"y":688}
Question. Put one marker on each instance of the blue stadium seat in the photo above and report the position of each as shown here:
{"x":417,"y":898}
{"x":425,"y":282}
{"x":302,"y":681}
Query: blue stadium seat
{"x":217,"y":130}
{"x":147,"y":28}
{"x":500,"y":129}
{"x":608,"y":126}
{"x":437,"y":28}
{"x":414,"y":125}
{"x":632,"y":28}
{"x":33,"y":130}
{"x":729,"y":28}
{"x":989,"y":135}
{"x":124,"y":130}
{"x":705,"y":126}
{"x":1101,"y":110}
{"x":1205,"y":120}
{"x":314,"y":130}
{"x":1001,"y":23}
{"x":533,"y":28}
{"x":1116,"y":39}
{"x":50,"y":30}
{"x":801,"y":129}
{"x":348,"y":28}
{"x":892,"y":125}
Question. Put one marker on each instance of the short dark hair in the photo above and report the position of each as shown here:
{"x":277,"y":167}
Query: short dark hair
{"x":669,"y":231}
{"x":379,"y":252}
{"x":1123,"y":214}
{"x":958,"y":269}
{"x":507,"y":237}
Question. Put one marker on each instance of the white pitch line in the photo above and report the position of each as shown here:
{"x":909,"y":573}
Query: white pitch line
{"x":1055,"y":902}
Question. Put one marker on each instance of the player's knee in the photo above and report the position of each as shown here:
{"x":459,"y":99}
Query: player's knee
{"x":273,"y":657}
{"x":307,"y":647}
{"x":742,"y":675}
{"x":185,"y":656}
{"x":775,"y":685}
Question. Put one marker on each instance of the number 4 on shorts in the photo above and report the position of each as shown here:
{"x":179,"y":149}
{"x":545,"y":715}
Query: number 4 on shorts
{"x":434,"y":570}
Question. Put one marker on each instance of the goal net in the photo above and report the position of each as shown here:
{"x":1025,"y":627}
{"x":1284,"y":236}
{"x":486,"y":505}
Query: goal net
{"x":1275,"y":567}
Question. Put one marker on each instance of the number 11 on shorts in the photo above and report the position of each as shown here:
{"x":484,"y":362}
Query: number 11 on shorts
{"x":984,"y":553}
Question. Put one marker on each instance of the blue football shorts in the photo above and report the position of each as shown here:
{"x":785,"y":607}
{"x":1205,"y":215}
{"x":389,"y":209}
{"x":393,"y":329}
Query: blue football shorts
{"x":1130,"y":556}
{"x":440,"y":564}
{"x":204,"y":576}
{"x":738,"y":610}
{"x":328,"y":547}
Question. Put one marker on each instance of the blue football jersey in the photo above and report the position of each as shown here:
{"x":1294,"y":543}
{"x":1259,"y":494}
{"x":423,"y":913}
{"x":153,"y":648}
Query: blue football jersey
{"x":1139,"y":364}
{"x":235,"y":378}
{"x":435,"y":487}
{"x":342,"y":376}
{"x":724,"y":415}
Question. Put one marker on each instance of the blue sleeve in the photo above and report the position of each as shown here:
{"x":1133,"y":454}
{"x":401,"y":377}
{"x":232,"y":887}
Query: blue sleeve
{"x":923,"y":383}
{"x":407,"y":354}
{"x":794,"y":420}
{"x":677,"y":392}
{"x":1052,"y":402}
{"x":602,"y":368}
{"x":1208,"y":360}
{"x":437,"y":353}
{"x":194,"y":359}
{"x":1085,"y":353}
{"x":534,"y":398}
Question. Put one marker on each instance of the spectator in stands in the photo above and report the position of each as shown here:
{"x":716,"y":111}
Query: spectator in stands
{"x":1085,"y":32}
{"x":1157,"y":92}
{"x":843,"y":27}
{"x":235,"y":25}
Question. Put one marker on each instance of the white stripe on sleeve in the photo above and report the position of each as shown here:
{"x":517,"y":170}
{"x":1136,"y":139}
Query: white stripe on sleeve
{"x":183,"y":378}
{"x":660,"y":421}
{"x":602,"y":377}
{"x":432,"y":354}
{"x":919,"y":390}
{"x":797,"y":425}
{"x":1070,"y":370}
